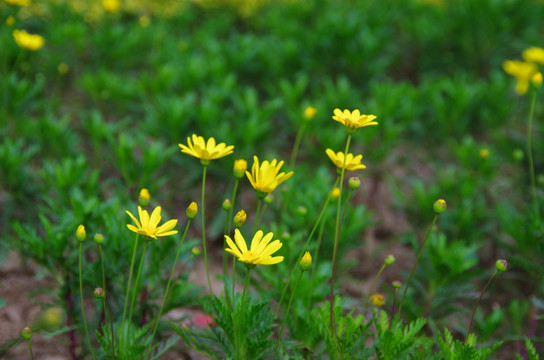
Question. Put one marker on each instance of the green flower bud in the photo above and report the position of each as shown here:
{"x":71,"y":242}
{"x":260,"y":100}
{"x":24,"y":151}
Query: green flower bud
{"x":197,"y":250}
{"x":81,"y":234}
{"x":98,"y":238}
{"x":144,"y":197}
{"x":286,"y":235}
{"x":501,"y":265}
{"x":240,"y":218}
{"x":227,"y":205}
{"x":269,"y":198}
{"x":390,"y":259}
{"x":192,"y":210}
{"x":439,"y":206}
{"x":240,"y":167}
{"x":302,"y":210}
{"x":518,"y":154}
{"x":26,"y":333}
{"x":354,"y":183}
{"x":305,"y":262}
{"x":397,"y":284}
{"x":99,"y":293}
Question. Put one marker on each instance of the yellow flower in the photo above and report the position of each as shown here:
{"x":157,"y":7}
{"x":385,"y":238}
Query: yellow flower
{"x":205,"y":151}
{"x":260,"y":252}
{"x":522,"y":71}
{"x":10,"y":20}
{"x":265,"y":178}
{"x":240,"y":168}
{"x":310,"y":112}
{"x":63,"y":68}
{"x":147,"y":226}
{"x":484,"y":153}
{"x":18,"y":2}
{"x":377,"y":300}
{"x":144,"y":21}
{"x":111,"y":5}
{"x":335,"y":193}
{"x":28,"y":41}
{"x":352,"y":162}
{"x":534,"y":55}
{"x":353,"y":120}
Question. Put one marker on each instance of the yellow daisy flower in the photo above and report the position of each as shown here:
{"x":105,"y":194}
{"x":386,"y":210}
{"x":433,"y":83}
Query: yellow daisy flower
{"x":377,"y":300}
{"x":260,"y":252}
{"x":264,"y":177}
{"x":352,"y":162}
{"x":353,"y":120}
{"x":524,"y":72}
{"x":28,"y":41}
{"x":147,"y":225}
{"x":205,"y":151}
{"x":534,"y":55}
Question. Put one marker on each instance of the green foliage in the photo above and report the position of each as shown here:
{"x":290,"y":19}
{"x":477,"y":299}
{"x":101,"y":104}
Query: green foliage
{"x":396,"y":341}
{"x":451,"y":349}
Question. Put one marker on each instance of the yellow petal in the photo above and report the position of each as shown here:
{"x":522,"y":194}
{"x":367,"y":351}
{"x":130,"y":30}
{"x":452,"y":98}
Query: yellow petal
{"x":155,"y":217}
{"x":240,"y":242}
{"x":134,"y":219}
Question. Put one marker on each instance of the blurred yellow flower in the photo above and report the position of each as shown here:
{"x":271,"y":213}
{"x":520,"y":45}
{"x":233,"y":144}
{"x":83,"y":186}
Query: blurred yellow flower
{"x":484,"y":153}
{"x":147,"y":226}
{"x":534,"y":55}
{"x":524,"y":72}
{"x":335,"y":193}
{"x":111,"y":6}
{"x":310,"y":112}
{"x":28,"y":41}
{"x":352,"y":162}
{"x":260,"y":252}
{"x":63,"y":68}
{"x":144,"y":21}
{"x":144,"y":197}
{"x":205,"y":151}
{"x":264,"y":177}
{"x":240,"y":168}
{"x":377,"y":300}
{"x":353,"y":120}
{"x":18,"y":2}
{"x":10,"y":20}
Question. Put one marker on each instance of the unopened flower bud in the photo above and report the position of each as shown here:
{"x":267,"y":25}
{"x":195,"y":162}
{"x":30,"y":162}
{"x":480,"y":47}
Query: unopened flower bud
{"x":390,"y":259}
{"x":192,"y":210}
{"x":196,"y":250}
{"x":240,"y":218}
{"x":302,"y":210}
{"x":309,"y":113}
{"x":397,"y":284}
{"x":501,"y":265}
{"x":439,"y":206}
{"x":81,"y":234}
{"x":144,"y":197}
{"x":50,"y":319}
{"x":240,"y":167}
{"x":269,"y":198}
{"x":518,"y":154}
{"x":354,"y":183}
{"x":26,"y":333}
{"x":99,"y":293}
{"x":227,"y":205}
{"x":286,"y":235}
{"x":305,"y":262}
{"x":98,"y":238}
{"x":484,"y":153}
{"x":335,"y":193}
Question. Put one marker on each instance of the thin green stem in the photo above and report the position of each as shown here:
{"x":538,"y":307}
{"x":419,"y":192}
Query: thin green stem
{"x":415,"y":263}
{"x":240,"y":319}
{"x":337,"y":235}
{"x":130,"y":277}
{"x":30,"y":349}
{"x":104,"y":301}
{"x":167,"y":290}
{"x":204,"y":230}
{"x":536,"y":211}
{"x":259,"y":201}
{"x":286,"y":315}
{"x":478,"y":303}
{"x":376,"y":279}
{"x":136,"y":282}
{"x":82,"y":306}
{"x":296,"y":146}
{"x":228,"y":224}
{"x":317,"y":222}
